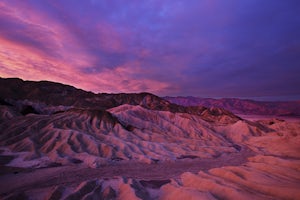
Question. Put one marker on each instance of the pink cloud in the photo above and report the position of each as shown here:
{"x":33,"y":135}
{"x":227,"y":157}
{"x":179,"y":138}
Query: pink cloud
{"x":165,"y":47}
{"x":109,"y":38}
{"x":20,"y":58}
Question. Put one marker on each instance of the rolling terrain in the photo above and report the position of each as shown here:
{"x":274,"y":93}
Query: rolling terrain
{"x":59,"y":142}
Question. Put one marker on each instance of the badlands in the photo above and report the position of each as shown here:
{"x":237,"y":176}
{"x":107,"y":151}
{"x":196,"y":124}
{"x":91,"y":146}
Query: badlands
{"x":59,"y":142}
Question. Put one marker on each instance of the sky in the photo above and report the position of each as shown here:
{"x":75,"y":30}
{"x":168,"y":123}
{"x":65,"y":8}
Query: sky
{"x":206,"y":48}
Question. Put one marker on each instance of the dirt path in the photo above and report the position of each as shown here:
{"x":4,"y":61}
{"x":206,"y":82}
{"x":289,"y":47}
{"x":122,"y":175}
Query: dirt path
{"x":68,"y":175}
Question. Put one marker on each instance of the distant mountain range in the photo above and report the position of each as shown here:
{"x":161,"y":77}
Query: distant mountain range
{"x":56,"y":94}
{"x":242,"y":106}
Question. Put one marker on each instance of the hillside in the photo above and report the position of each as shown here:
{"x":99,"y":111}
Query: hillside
{"x":59,"y":142}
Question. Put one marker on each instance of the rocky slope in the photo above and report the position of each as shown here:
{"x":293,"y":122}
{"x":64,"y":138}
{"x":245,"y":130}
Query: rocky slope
{"x":44,"y":97}
{"x":59,"y":142}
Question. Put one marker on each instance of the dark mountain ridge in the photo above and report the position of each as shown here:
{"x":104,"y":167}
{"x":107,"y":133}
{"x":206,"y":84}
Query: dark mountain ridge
{"x":15,"y":90}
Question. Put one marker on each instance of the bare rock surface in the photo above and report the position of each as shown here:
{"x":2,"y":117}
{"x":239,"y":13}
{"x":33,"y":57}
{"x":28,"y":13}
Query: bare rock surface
{"x":58,"y":142}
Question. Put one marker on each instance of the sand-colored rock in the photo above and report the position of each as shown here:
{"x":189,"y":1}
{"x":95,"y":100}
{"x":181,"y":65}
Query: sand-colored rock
{"x":66,"y":143}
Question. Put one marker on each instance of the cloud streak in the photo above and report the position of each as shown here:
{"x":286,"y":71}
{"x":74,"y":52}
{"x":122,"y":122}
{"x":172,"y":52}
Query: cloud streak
{"x":200,"y":48}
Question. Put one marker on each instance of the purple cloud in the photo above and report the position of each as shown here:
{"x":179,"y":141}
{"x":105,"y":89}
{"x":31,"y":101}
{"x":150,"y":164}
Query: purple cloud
{"x":201,"y":48}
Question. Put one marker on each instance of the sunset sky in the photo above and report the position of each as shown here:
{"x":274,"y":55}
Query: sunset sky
{"x":207,"y":48}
